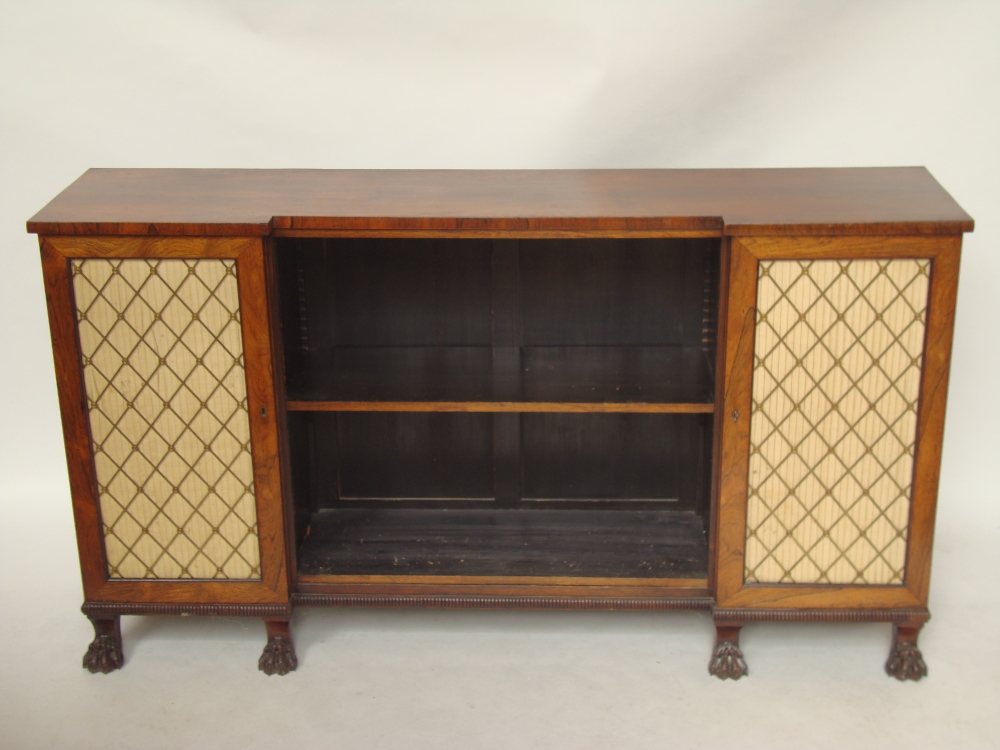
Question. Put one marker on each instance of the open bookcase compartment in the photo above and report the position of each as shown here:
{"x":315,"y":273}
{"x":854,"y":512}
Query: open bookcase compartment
{"x":554,"y":321}
{"x":429,"y":384}
{"x":501,"y":494}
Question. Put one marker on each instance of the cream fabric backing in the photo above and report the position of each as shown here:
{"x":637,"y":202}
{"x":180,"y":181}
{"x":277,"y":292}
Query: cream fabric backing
{"x":837,"y":357}
{"x":166,"y":389}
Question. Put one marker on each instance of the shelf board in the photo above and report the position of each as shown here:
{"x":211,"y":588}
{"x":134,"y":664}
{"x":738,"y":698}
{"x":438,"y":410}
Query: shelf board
{"x":664,"y":379}
{"x":499,"y":407}
{"x":322,"y":583}
{"x":496,"y":542}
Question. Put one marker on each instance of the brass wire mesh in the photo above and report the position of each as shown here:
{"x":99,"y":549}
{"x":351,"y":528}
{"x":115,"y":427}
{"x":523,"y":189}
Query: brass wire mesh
{"x":837,"y":357}
{"x":166,"y":389}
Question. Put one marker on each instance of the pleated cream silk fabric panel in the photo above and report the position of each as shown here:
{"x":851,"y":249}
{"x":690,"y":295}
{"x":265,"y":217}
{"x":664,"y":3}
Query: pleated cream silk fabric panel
{"x":837,"y":357}
{"x":166,"y":388}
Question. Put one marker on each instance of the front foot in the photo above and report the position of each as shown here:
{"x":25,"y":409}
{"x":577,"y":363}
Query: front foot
{"x":727,"y":662}
{"x":105,"y":652}
{"x":279,"y":653}
{"x":905,"y":660}
{"x":278,"y":657}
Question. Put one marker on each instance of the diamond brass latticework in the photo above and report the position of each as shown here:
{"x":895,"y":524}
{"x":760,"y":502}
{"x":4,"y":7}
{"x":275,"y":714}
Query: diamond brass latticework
{"x":166,"y":389}
{"x":837,"y":357}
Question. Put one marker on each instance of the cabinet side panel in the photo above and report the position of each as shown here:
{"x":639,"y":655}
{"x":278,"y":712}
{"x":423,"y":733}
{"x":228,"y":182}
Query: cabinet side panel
{"x":838,"y":352}
{"x":165,"y":381}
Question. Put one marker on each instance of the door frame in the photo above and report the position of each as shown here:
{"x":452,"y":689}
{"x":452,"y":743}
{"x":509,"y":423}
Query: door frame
{"x":745,"y":252}
{"x":56,"y":252}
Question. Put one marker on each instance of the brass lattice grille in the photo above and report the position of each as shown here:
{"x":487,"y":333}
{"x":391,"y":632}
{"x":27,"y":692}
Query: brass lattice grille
{"x":836,"y":379}
{"x":166,"y":389}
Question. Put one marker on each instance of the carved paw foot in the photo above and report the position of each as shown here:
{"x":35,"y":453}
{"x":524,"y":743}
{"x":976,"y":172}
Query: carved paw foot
{"x":105,"y":654}
{"x":906,"y":662}
{"x":727,"y":662}
{"x":278,"y":657}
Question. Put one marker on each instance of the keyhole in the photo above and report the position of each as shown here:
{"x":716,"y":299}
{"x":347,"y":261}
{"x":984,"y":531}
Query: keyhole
{"x":736,"y":415}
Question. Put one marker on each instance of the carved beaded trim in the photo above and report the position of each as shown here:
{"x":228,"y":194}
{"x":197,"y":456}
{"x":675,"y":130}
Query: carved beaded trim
{"x":820,"y":615}
{"x":112,"y":609}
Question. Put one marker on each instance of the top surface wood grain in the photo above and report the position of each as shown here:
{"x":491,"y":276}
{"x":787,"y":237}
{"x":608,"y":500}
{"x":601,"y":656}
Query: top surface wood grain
{"x":904,"y":200}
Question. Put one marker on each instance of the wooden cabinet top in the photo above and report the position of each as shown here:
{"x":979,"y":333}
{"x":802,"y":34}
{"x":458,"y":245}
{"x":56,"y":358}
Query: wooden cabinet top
{"x":706,"y":202}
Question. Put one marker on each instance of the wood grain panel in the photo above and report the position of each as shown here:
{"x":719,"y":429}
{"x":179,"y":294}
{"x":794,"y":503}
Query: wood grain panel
{"x":735,"y":418}
{"x":73,"y":410}
{"x":151,"y":247}
{"x":930,"y":419}
{"x":845,"y":248}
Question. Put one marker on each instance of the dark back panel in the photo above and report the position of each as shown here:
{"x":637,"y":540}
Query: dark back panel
{"x":613,"y":292}
{"x":388,"y":292}
{"x":406,"y":319}
{"x":439,"y":319}
{"x":615,"y":456}
{"x":348,"y":457}
{"x":387,"y":455}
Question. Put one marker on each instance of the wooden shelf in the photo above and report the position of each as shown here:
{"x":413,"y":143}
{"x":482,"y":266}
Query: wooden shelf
{"x":655,"y":379}
{"x":517,"y":407}
{"x":464,"y":542}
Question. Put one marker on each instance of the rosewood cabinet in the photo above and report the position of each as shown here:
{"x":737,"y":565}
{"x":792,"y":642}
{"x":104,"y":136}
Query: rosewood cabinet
{"x":624,"y":389}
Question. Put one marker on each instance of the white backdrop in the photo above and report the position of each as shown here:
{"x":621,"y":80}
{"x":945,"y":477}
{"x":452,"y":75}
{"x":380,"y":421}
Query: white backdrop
{"x":499,"y":85}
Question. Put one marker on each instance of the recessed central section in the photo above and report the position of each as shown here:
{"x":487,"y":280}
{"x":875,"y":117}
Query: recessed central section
{"x":500,"y":407}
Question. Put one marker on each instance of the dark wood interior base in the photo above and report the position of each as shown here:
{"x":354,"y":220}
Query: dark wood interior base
{"x":512,"y":542}
{"x":105,"y":652}
{"x":905,"y":660}
{"x":504,"y":602}
{"x":279,"y":653}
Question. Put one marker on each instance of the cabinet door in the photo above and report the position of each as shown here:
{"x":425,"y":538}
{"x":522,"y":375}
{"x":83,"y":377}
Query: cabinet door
{"x":165,"y":379}
{"x":836,"y":374}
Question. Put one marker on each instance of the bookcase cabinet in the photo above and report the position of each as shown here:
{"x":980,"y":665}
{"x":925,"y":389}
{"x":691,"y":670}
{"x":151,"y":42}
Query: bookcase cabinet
{"x":624,"y":389}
